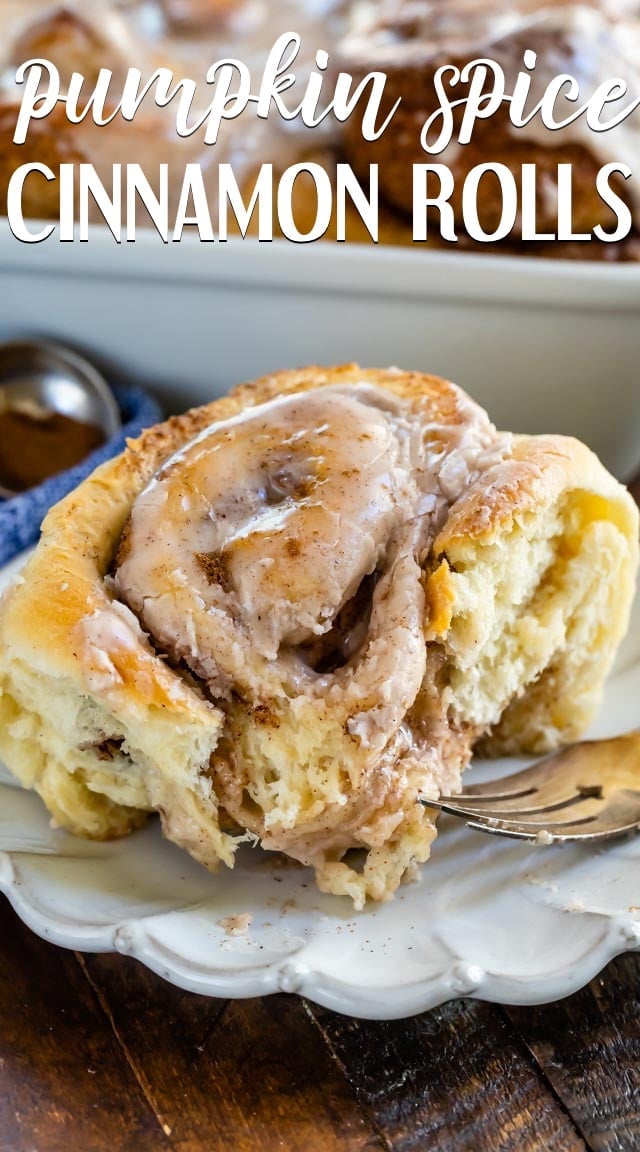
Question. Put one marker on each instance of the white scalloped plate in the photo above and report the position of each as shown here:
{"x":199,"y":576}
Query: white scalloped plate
{"x":494,"y":919}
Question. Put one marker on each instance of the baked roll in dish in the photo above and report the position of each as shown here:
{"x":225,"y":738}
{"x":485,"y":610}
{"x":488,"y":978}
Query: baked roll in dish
{"x":409,"y":40}
{"x":285,"y":616}
{"x":55,"y":141}
{"x":75,"y":41}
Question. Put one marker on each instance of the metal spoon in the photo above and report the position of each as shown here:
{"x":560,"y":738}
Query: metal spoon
{"x":52,"y":378}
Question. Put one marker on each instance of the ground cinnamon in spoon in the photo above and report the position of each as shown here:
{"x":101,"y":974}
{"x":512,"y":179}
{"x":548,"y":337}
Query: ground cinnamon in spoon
{"x":37,"y":444}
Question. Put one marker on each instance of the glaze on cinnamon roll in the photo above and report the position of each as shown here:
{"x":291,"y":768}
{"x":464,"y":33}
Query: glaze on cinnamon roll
{"x":288,"y":615}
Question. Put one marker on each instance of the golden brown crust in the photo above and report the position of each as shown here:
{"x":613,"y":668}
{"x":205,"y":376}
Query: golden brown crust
{"x":48,"y":143}
{"x":539,"y":469}
{"x":54,"y":141}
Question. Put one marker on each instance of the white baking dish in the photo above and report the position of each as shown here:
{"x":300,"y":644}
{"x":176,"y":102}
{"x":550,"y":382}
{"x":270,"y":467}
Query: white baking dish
{"x":544,"y":345}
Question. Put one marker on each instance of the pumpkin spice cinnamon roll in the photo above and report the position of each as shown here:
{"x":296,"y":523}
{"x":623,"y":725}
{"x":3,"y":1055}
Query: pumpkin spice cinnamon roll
{"x":288,"y":615}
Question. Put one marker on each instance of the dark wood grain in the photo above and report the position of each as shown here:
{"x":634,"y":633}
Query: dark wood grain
{"x":64,"y":1081}
{"x":98,"y":1054}
{"x":238,"y":1075}
{"x":588,"y":1047}
{"x":453,"y":1080}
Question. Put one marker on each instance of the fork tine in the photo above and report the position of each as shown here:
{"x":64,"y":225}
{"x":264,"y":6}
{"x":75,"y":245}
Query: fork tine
{"x":526,"y":830}
{"x":518,"y":784}
{"x":564,"y":834}
{"x":589,"y":791}
{"x":575,"y":811}
{"x":620,"y":816}
{"x":493,"y":790}
{"x":556,"y":837}
{"x":529,"y":805}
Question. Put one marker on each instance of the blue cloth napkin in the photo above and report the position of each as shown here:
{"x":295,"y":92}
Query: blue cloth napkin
{"x":21,"y":516}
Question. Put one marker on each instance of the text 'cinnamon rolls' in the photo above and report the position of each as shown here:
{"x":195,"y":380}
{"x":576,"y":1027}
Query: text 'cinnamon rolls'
{"x":287,"y":615}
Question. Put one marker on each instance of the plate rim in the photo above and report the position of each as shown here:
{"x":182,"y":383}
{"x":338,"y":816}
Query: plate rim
{"x":461,"y":979}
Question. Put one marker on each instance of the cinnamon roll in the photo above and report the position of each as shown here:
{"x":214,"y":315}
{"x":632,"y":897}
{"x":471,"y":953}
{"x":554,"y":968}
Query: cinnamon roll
{"x":75,"y":41}
{"x":409,"y":40}
{"x":287,"y":615}
{"x":55,"y":141}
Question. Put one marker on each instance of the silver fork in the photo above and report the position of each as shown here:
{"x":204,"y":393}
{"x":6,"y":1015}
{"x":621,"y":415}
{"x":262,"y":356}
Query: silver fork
{"x":588,"y":792}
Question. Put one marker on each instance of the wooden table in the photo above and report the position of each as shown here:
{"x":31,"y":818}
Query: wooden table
{"x":99,"y":1055}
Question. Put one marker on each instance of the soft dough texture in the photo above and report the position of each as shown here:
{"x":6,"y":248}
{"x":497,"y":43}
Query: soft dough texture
{"x":288,"y":614}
